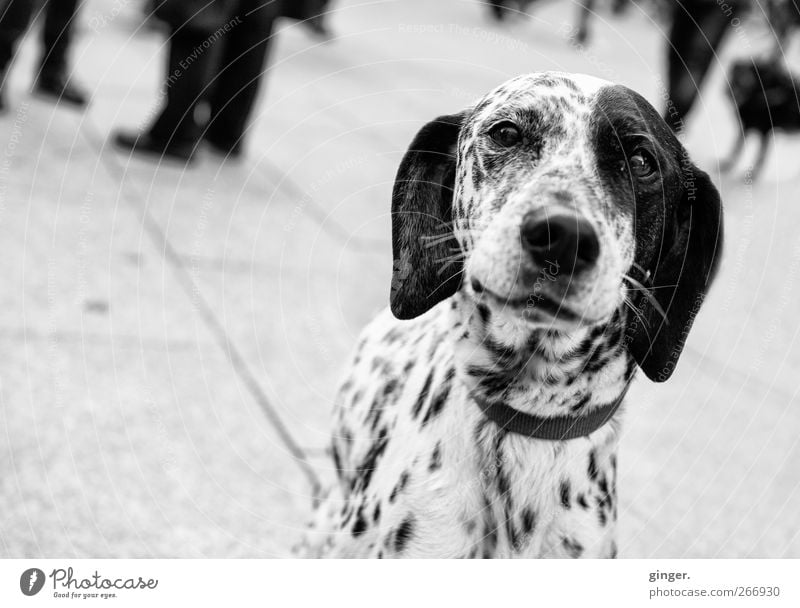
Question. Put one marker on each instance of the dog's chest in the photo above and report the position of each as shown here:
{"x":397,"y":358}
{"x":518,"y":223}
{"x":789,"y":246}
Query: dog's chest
{"x":467,"y":490}
{"x":425,"y":474}
{"x":547,"y":499}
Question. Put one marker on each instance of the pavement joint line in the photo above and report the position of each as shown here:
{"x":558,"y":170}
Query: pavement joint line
{"x":233,"y":265}
{"x":172,"y":257}
{"x":119,"y":339}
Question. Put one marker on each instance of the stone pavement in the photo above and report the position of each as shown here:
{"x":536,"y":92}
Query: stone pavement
{"x":172,"y":338}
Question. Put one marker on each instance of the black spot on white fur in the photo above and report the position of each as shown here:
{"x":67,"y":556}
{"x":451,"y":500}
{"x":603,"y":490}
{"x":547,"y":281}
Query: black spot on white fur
{"x":423,"y":396}
{"x":564,"y":494}
{"x":401,"y":485}
{"x":403,"y":534}
{"x":574,"y":548}
{"x":436,"y":458}
{"x":360,"y":525}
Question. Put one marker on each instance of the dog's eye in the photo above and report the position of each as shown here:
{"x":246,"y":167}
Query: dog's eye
{"x":641,"y":163}
{"x":507,"y":134}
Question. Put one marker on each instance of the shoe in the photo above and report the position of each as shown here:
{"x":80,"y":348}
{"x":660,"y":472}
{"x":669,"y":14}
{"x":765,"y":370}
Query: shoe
{"x":232,"y":150}
{"x":498,"y":10}
{"x":58,"y":87}
{"x":146,"y":144}
{"x":318,"y":27}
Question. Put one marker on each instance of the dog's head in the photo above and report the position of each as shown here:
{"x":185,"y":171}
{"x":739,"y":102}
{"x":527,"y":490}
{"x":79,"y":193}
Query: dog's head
{"x":557,"y":201}
{"x":766,"y":82}
{"x":743,"y":81}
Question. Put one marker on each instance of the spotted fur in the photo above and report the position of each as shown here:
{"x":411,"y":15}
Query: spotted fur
{"x":421,"y":471}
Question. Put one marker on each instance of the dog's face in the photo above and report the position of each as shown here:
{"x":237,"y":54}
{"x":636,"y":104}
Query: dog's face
{"x":557,"y":201}
{"x":546,"y":214}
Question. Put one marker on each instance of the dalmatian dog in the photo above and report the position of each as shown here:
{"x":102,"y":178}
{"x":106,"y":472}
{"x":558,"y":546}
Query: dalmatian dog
{"x":548,"y":241}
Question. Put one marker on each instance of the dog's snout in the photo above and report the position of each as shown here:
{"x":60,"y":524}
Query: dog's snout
{"x":566,"y":239}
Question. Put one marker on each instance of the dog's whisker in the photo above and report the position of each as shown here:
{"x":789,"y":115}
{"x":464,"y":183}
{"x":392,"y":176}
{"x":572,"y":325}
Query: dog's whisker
{"x":456,"y":253}
{"x":456,"y":257}
{"x":635,"y":283}
{"x":644,"y":134}
{"x":638,"y":314}
{"x":444,"y":267}
{"x":633,"y":288}
{"x":647,"y":293}
{"x":452,"y":276}
{"x":458,"y":224}
{"x":436,"y":239}
{"x":431,"y":241}
{"x":645,"y":273}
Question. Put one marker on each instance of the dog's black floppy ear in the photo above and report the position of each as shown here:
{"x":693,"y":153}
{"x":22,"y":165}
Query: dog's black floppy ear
{"x":680,"y":279}
{"x":422,"y":216}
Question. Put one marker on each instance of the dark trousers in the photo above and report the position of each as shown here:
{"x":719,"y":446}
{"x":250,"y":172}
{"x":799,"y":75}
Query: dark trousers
{"x":698,"y":29}
{"x":15,"y":17}
{"x":223,"y":74}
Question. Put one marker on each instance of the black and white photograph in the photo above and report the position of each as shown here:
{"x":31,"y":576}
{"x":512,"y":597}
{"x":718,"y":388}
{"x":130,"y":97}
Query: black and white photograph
{"x":398,"y":279}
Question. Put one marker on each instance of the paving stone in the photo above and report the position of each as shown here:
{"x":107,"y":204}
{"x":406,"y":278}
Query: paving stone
{"x":115,"y":451}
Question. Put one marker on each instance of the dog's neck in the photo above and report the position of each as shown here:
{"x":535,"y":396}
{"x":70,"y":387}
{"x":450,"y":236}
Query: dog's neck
{"x":539,"y":371}
{"x":539,"y":492}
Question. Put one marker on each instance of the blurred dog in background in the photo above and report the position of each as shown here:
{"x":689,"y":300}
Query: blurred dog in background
{"x":501,"y":9}
{"x":587,"y":9}
{"x":783,"y":17}
{"x":765,"y":95}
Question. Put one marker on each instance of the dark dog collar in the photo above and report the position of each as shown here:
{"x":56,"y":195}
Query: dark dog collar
{"x":557,"y":428}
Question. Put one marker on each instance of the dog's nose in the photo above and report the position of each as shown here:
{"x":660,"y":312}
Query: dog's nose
{"x":562,"y":238}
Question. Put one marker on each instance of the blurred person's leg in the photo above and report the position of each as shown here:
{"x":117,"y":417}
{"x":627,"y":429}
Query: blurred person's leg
{"x":242,"y":66}
{"x":53,"y":78}
{"x":584,"y":15}
{"x":57,"y":34}
{"x":188,"y":76}
{"x":15,"y":16}
{"x":175,"y":132}
{"x":619,"y":6}
{"x":498,"y":9}
{"x":310,"y":12}
{"x":698,"y":28}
